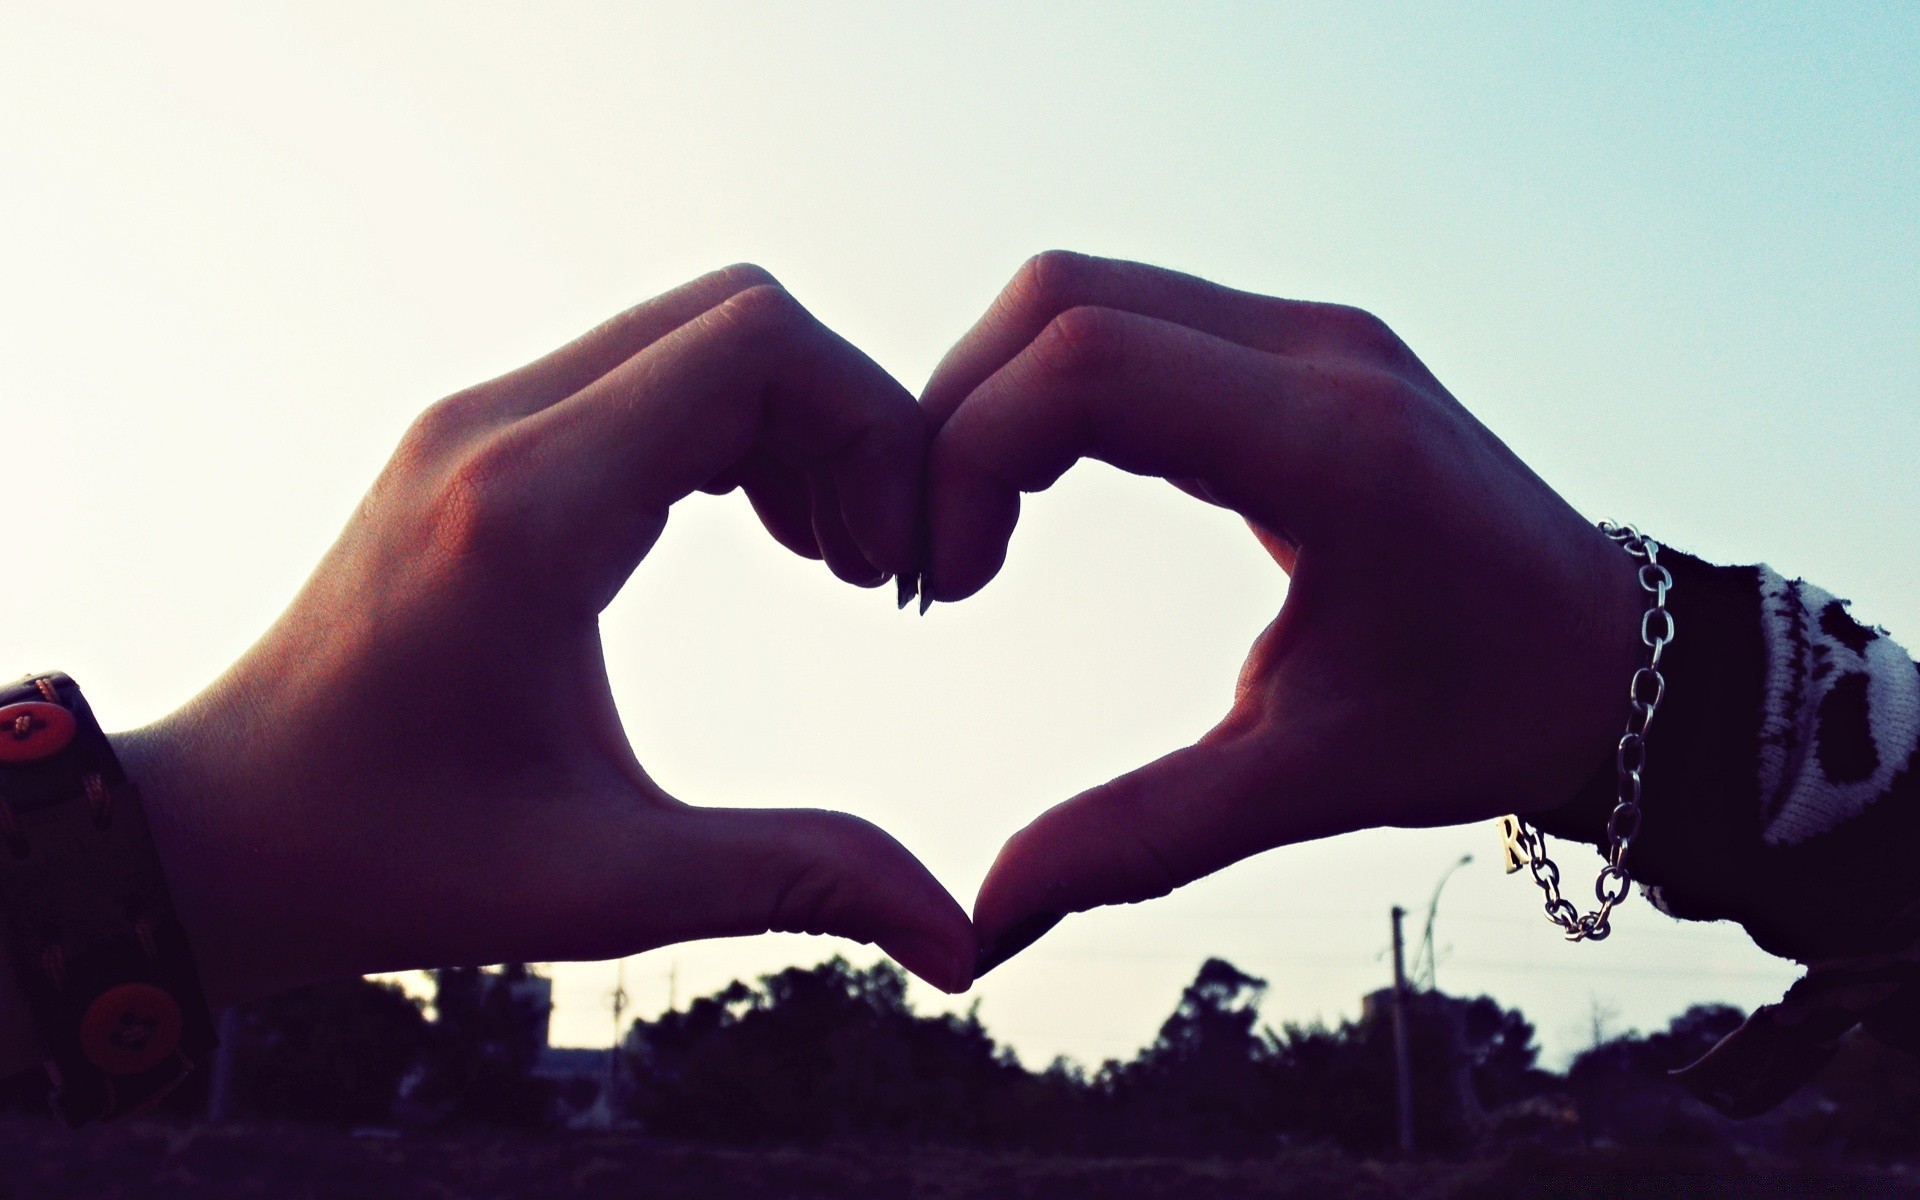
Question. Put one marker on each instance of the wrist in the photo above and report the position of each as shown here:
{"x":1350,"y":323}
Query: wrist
{"x":195,"y":847}
{"x":1698,"y":796}
{"x":242,"y":814}
{"x":1594,"y":668}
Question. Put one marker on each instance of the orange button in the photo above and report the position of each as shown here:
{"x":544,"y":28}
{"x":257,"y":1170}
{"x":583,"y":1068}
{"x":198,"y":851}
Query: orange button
{"x":34,"y":730}
{"x":131,"y":1028}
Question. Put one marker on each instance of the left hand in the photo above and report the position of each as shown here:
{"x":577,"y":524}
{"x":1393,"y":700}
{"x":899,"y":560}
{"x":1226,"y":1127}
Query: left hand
{"x":1456,"y":640}
{"x":421,"y":763}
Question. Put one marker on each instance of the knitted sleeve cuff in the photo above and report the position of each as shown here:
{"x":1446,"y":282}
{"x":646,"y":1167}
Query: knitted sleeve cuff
{"x":1840,"y":716}
{"x":1779,"y":789}
{"x":1780,"y":793}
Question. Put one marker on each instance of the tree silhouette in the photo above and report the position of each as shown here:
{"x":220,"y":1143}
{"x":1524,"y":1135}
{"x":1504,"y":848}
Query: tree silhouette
{"x":1503,"y":1054}
{"x":486,"y":1039}
{"x":1468,"y":1056}
{"x":331,"y":1054}
{"x":1623,"y":1092}
{"x":834,"y":1050}
{"x":1211,"y":1077}
{"x":814,"y":1052}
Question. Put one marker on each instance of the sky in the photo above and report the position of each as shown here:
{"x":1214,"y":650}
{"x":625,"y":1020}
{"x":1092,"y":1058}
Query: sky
{"x":1668,"y":252}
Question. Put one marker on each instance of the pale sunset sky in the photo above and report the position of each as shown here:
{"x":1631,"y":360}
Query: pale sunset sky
{"x":1671,"y":253}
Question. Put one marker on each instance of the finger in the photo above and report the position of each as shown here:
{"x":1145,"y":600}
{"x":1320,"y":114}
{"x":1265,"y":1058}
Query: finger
{"x":755,"y":372}
{"x":1054,"y":282}
{"x":1274,"y":438}
{"x":751,"y":871}
{"x":1141,"y":836}
{"x":802,"y":512}
{"x":838,"y":546}
{"x":560,"y":374}
{"x":783,"y":501}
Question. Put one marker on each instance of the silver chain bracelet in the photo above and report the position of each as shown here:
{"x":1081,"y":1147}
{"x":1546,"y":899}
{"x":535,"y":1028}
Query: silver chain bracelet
{"x":1526,"y":846}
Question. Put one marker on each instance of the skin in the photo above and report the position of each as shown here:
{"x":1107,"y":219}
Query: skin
{"x":1423,"y":557}
{"x":421,"y":762}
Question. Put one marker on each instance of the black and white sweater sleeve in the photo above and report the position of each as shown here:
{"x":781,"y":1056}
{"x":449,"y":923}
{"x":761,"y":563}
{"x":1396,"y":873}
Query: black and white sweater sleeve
{"x":1781,"y":793}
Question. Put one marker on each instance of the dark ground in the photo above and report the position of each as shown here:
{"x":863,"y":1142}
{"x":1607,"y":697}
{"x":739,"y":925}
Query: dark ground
{"x":285,"y":1162}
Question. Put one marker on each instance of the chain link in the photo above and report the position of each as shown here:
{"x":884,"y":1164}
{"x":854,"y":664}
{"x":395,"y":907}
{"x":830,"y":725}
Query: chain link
{"x":1644,"y":695}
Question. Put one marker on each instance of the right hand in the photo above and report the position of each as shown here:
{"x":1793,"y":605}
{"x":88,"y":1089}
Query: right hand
{"x":421,"y":763}
{"x":1456,"y":641}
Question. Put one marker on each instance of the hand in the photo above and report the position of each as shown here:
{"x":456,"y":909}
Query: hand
{"x":1455,"y":643}
{"x":421,"y":763}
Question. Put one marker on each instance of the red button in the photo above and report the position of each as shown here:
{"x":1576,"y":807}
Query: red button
{"x":131,"y":1028}
{"x":34,"y":730}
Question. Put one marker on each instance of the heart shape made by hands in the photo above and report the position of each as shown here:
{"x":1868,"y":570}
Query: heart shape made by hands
{"x":450,"y":780}
{"x":1454,"y":637}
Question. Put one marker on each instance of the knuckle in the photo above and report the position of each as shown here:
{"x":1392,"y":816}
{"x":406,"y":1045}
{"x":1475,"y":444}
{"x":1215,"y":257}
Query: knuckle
{"x":738,"y":277}
{"x":1347,"y":321}
{"x":473,"y":510}
{"x":1139,"y":869}
{"x":438,"y":433}
{"x":1394,"y":419}
{"x":1362,"y":334}
{"x":823,"y":894}
{"x":1082,"y":343}
{"x":1048,"y":282}
{"x":812,"y":901}
{"x":718,"y":286}
{"x":760,"y":310}
{"x":1381,"y":402}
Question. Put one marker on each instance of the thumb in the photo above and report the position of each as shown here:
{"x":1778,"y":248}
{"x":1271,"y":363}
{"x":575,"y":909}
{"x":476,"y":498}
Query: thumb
{"x":1136,"y":838}
{"x":751,"y":871}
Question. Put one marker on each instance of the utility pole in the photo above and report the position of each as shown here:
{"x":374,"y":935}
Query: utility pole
{"x":1402,"y":1060}
{"x":619,"y":999}
{"x":602,"y":1115}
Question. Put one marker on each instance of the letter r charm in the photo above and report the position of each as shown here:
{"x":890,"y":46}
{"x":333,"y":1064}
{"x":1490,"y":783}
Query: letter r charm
{"x":1512,"y":846}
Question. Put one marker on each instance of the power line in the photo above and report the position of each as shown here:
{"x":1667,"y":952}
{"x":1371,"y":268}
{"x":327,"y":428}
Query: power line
{"x":1361,"y":965}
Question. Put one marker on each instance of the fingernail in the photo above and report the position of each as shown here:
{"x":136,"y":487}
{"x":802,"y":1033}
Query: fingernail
{"x":1013,"y":941}
{"x":932,"y":959}
{"x":908,"y":584}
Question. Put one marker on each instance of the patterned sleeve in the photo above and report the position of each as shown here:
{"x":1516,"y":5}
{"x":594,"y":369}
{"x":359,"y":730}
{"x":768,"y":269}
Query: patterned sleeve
{"x":1780,"y":793}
